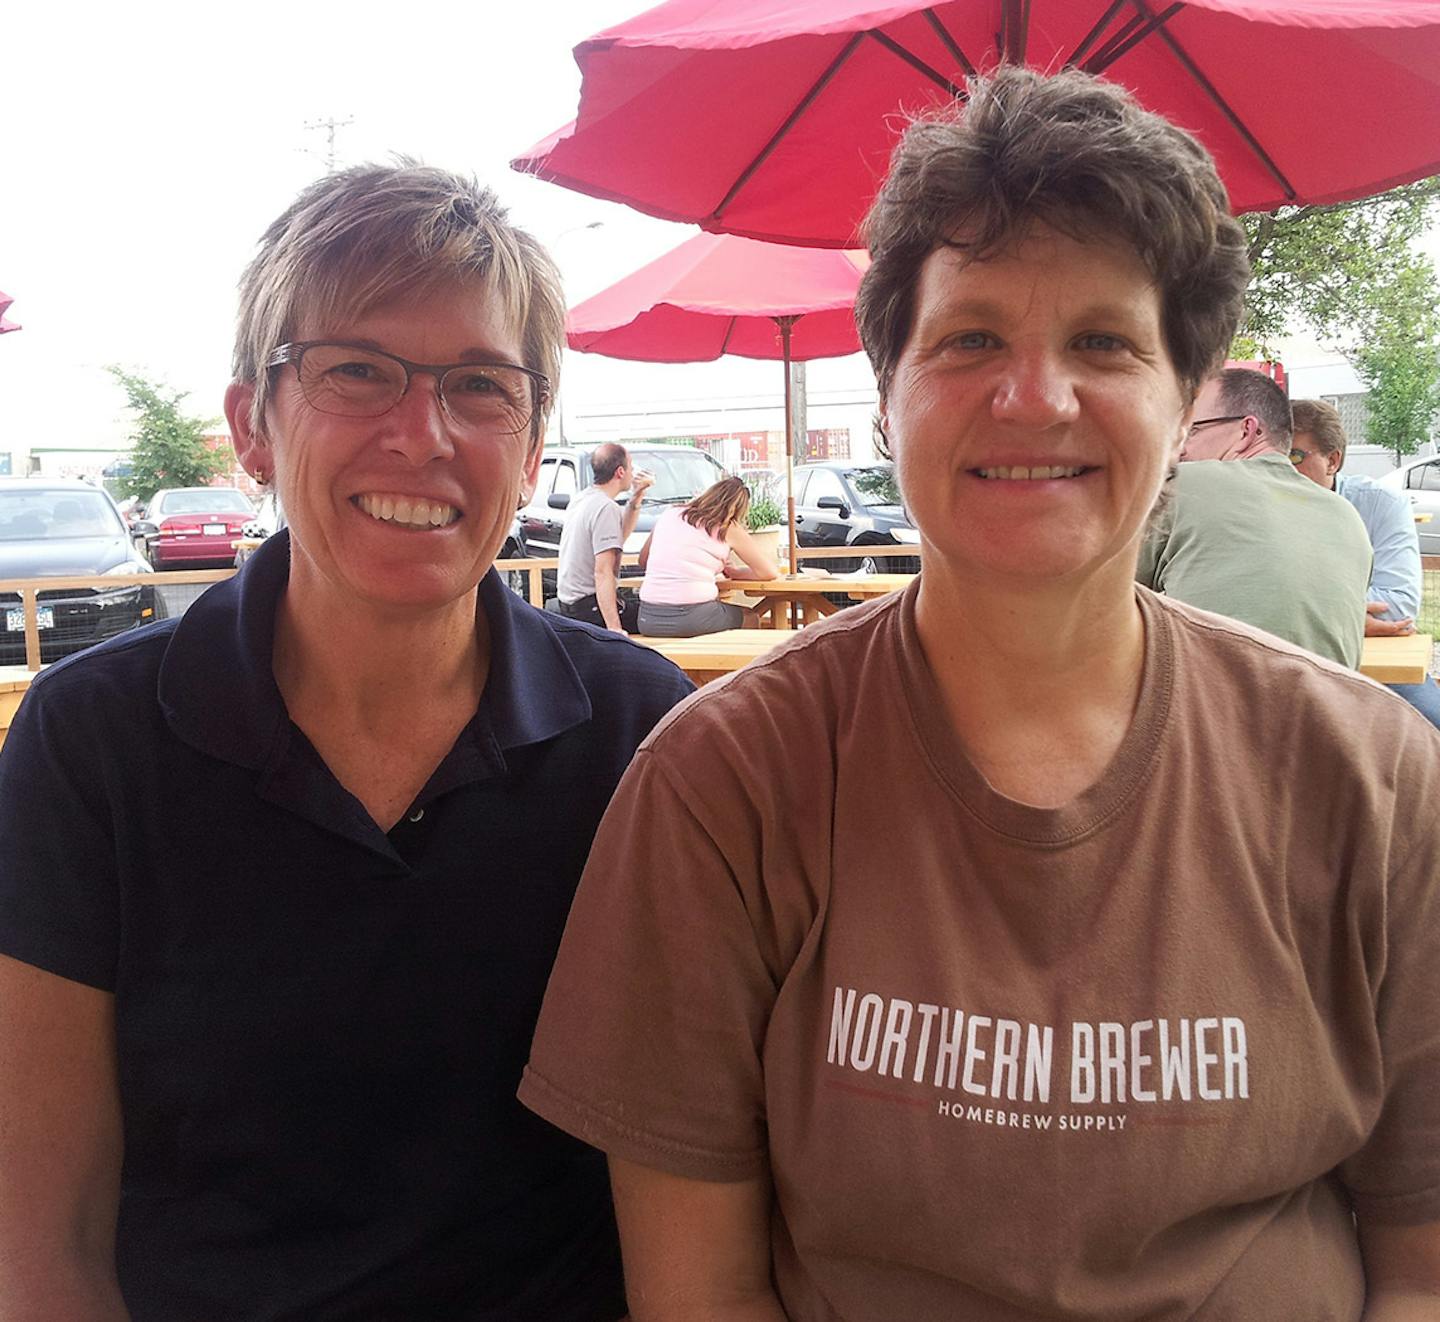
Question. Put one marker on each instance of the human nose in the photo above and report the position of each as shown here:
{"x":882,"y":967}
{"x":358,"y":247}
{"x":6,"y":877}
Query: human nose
{"x":1034,"y":390}
{"x":419,"y":425}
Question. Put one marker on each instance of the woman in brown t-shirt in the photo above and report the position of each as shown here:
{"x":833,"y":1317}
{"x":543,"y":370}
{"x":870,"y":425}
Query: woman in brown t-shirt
{"x":1024,"y":945}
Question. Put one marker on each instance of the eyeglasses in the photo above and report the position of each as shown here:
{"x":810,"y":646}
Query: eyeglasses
{"x":355,"y":381}
{"x":1299,"y":456}
{"x":1208,"y":422}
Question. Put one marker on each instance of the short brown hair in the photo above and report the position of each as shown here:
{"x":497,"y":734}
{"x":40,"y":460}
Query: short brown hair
{"x":1255,"y":395}
{"x":718,"y":506}
{"x":608,"y":459}
{"x":358,"y":237}
{"x":1077,"y":154}
{"x":1316,"y":418}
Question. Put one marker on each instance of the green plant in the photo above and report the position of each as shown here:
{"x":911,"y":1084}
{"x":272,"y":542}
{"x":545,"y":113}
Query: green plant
{"x":764,"y":513}
{"x":169,"y":445}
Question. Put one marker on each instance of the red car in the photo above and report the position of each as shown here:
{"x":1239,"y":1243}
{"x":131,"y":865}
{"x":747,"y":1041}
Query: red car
{"x":194,"y":526}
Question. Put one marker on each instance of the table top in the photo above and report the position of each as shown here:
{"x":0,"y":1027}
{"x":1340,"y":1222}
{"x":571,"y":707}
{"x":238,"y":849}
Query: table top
{"x":1403,"y":660}
{"x":729,"y":649}
{"x":853,"y":585}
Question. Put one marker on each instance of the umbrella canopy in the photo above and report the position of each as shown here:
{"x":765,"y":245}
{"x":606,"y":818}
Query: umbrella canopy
{"x":777,"y":121}
{"x":5,"y":301}
{"x":717,"y":294}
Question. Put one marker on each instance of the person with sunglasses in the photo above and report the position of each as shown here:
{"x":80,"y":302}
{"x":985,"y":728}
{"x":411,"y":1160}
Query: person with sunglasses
{"x":283,"y":879}
{"x":1244,"y":535}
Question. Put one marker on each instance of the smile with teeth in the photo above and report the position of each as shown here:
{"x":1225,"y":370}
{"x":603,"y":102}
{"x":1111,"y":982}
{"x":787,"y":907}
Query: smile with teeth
{"x":1030,"y":474}
{"x":407,"y":511}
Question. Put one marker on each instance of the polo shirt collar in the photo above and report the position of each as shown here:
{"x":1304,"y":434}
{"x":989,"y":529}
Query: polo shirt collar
{"x":217,"y":683}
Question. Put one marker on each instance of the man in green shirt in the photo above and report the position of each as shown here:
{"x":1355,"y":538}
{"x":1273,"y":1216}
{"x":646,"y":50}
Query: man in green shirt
{"x":1245,"y":535}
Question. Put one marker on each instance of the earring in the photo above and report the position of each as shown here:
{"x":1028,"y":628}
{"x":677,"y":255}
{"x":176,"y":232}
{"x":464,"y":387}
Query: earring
{"x":260,"y":477}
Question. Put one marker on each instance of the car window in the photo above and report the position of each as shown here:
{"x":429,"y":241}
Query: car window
{"x":823,"y":482}
{"x":565,"y":483}
{"x":680,"y":472}
{"x":1425,"y":477}
{"x":875,"y":485}
{"x":546,"y":479}
{"x":49,"y":515}
{"x":204,"y":500}
{"x":802,"y":477}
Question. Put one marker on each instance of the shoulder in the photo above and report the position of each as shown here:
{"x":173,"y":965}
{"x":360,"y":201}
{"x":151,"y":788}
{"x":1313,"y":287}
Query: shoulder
{"x":1249,"y":677}
{"x":111,"y":681}
{"x":799,"y":692}
{"x":613,"y":668}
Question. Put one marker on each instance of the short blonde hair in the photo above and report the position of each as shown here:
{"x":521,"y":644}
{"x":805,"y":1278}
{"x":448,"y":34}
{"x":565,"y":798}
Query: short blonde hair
{"x":359,"y":237}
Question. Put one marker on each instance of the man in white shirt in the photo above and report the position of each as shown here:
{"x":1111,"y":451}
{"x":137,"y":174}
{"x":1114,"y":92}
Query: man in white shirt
{"x":593,"y":539}
{"x":1396,"y":583}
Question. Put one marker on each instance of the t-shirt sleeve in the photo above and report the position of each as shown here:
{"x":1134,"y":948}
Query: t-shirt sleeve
{"x":649,"y":1042}
{"x":1395,"y":1177}
{"x":59,"y":906}
{"x":1395,"y":578}
{"x":605,"y":530}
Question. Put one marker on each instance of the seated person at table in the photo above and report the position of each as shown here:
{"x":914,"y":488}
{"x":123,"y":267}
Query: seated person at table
{"x":283,"y":879}
{"x":593,"y":540}
{"x":1123,"y":1002}
{"x":1249,"y":537}
{"x":1397,"y":581}
{"x":687,"y":551}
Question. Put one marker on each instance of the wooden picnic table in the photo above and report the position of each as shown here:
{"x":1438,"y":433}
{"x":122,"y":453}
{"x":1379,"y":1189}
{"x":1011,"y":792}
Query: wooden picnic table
{"x":804,"y":596}
{"x":1404,"y":660}
{"x":1423,"y":518}
{"x":714,"y":654}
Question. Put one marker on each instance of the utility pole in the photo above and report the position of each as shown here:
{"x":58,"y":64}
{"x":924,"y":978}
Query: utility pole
{"x":329,"y":126}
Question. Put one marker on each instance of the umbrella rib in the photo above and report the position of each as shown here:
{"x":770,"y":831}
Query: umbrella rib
{"x":1015,"y":22}
{"x":816,"y":88}
{"x":1128,"y":37}
{"x":952,"y":45}
{"x":729,"y":331}
{"x":915,"y":62}
{"x":1221,"y":105}
{"x":1093,"y":35}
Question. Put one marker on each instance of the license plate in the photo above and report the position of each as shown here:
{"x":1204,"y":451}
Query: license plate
{"x":15,"y":619}
{"x":214,"y":529}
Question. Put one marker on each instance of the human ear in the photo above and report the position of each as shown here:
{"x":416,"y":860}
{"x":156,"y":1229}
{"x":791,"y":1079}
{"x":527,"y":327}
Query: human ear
{"x":252,"y":447}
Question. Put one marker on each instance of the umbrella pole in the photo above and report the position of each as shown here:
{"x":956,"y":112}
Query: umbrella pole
{"x":794,"y":562}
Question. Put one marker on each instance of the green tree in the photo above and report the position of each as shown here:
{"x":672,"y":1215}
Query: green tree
{"x":1349,"y":273}
{"x":169,"y":446}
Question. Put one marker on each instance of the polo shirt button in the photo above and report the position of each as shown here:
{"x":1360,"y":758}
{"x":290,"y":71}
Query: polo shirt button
{"x":417,"y":814}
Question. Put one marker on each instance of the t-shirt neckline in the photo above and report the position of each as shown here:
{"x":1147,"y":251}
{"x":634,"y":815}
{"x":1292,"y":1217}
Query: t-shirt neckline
{"x":1090,"y":810}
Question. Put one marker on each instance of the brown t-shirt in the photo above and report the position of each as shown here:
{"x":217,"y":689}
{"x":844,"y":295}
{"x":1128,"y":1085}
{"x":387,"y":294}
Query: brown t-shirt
{"x":1133,"y":1057}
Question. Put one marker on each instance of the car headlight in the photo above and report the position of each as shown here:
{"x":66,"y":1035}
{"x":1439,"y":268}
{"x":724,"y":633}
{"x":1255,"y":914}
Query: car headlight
{"x":910,"y":536}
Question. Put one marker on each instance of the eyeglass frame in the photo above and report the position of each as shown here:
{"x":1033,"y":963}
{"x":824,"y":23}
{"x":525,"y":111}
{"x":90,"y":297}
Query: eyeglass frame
{"x":1304,"y":454}
{"x":1206,"y":422}
{"x":293,"y":351}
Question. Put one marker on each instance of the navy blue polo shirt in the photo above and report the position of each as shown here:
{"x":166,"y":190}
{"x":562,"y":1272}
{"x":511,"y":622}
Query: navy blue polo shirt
{"x":321,"y":1026}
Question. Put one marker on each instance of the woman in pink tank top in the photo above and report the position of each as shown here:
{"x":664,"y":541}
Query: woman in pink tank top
{"x":687,"y":551}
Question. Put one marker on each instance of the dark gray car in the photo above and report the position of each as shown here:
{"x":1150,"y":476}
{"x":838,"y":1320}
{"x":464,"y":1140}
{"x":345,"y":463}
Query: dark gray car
{"x":841,"y":502}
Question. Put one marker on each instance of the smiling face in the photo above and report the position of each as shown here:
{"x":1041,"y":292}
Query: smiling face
{"x":1035,"y":411}
{"x":407,"y":510}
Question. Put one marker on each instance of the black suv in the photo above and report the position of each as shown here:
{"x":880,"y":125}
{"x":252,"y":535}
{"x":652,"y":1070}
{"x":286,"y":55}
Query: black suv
{"x":681,"y":474}
{"x":842,"y":502}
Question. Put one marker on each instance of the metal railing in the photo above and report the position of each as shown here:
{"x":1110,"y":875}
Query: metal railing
{"x":531,"y":571}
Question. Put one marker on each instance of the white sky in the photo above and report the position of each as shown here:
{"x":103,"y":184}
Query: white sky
{"x":144,"y":146}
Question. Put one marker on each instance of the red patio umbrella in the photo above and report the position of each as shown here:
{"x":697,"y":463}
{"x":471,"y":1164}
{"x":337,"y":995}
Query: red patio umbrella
{"x":777,"y":120}
{"x":5,"y":301}
{"x":717,"y":294}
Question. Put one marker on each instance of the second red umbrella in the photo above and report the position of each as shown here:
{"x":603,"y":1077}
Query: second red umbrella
{"x":717,"y":294}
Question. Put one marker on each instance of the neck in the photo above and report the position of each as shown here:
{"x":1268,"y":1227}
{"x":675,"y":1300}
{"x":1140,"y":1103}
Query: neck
{"x":612,"y":488}
{"x":1254,"y":447}
{"x":369,"y":664}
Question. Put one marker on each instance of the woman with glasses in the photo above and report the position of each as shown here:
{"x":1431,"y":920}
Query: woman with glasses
{"x":283,"y":879}
{"x":1023,"y":945}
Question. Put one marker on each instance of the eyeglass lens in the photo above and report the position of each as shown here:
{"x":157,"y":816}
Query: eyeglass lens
{"x":364,"y":383}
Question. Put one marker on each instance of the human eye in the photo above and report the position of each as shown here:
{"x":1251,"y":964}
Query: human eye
{"x":342,"y":367}
{"x":1101,"y":342}
{"x":971,"y":340}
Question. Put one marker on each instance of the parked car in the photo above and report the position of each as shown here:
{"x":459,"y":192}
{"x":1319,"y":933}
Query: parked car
{"x":193,"y":527}
{"x":269,"y":518}
{"x":51,"y":528}
{"x":1420,"y":481}
{"x":681,"y":473}
{"x":839,"y":502}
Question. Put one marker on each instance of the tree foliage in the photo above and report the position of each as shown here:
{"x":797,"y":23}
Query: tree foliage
{"x":169,"y":446}
{"x":1349,"y":273}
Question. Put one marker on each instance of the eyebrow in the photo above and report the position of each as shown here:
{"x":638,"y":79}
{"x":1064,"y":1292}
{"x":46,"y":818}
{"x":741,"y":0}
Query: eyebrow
{"x":467,"y":356}
{"x":984,"y":310}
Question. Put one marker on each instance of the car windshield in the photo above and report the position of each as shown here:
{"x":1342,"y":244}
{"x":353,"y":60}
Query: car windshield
{"x":51,"y":515}
{"x":680,"y":473}
{"x":875,"y":486}
{"x":204,"y":500}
